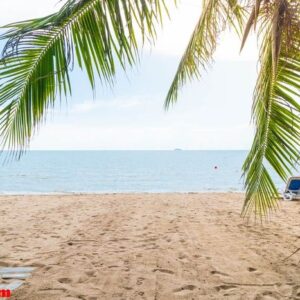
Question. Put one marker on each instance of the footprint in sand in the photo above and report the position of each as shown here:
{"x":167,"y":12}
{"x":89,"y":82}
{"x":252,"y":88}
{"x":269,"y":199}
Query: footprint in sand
{"x":296,"y":292}
{"x":140,"y":281}
{"x":215,"y":272}
{"x":185,"y":289}
{"x":225,"y":287}
{"x":90,"y":273}
{"x":183,"y":258}
{"x":113,"y":266}
{"x":65,"y":280}
{"x":250,"y":269}
{"x":4,"y":264}
{"x":269,"y":295}
{"x":163,"y":271}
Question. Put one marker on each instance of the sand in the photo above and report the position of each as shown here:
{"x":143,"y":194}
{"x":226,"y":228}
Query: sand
{"x":149,"y":246}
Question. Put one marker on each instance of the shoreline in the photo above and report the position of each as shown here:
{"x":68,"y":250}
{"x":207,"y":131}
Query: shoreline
{"x":115,"y":193}
{"x":148,"y":246}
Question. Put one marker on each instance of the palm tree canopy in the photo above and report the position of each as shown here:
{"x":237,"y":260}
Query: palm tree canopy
{"x":277,"y":92}
{"x":97,"y":33}
{"x":36,"y":60}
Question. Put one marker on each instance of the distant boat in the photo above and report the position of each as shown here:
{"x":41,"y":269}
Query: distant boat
{"x":177,"y":149}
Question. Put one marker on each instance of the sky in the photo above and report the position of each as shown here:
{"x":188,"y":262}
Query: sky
{"x":212,"y":114}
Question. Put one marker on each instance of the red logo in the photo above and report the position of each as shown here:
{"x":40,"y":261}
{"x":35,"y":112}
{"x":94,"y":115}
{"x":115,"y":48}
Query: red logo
{"x":5,"y":293}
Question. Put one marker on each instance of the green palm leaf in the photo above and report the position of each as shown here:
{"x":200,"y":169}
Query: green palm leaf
{"x":276,"y":98}
{"x":36,"y":59}
{"x":215,"y":16}
{"x":276,"y":114}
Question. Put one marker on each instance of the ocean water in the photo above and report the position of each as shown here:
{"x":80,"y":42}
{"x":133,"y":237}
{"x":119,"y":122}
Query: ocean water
{"x":124,"y":171}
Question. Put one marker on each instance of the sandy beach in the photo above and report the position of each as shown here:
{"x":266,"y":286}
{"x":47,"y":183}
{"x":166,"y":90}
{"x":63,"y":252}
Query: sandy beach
{"x":149,"y":246}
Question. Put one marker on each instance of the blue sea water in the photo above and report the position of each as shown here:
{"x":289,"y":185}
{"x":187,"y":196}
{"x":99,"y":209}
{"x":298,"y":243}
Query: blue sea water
{"x":124,"y":171}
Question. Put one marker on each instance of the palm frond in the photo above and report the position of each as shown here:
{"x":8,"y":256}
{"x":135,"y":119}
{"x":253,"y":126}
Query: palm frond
{"x":215,"y":16}
{"x":252,"y":20}
{"x":276,"y":113}
{"x":34,"y":68}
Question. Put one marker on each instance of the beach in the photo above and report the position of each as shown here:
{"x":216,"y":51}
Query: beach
{"x":149,"y":246}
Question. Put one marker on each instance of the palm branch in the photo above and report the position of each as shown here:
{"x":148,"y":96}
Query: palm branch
{"x":276,"y":108}
{"x":215,"y":17}
{"x":36,"y":61}
{"x":276,"y":97}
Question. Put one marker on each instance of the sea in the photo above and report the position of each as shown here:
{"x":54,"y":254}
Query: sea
{"x":51,"y":172}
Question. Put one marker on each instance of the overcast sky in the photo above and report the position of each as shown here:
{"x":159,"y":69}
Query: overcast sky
{"x":213,"y":113}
